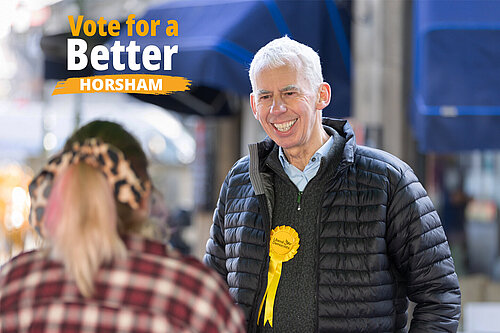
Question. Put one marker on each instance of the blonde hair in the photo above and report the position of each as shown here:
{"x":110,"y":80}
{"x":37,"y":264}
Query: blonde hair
{"x":83,"y":219}
{"x":82,"y":224}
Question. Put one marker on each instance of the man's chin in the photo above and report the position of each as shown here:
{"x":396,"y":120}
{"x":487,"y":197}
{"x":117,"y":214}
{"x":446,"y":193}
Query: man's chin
{"x":285,"y":144}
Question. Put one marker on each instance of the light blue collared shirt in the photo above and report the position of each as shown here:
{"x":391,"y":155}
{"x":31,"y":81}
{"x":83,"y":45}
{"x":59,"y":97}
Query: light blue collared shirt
{"x":301,"y":178}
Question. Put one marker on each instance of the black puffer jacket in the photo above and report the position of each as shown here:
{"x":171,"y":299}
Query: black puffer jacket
{"x":381,"y":242}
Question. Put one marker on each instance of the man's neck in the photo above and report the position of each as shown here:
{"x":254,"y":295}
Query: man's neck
{"x":299,"y":156}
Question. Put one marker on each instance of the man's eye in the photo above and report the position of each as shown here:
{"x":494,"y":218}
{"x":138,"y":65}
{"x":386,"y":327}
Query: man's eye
{"x":290,"y":93}
{"x":264,"y":97}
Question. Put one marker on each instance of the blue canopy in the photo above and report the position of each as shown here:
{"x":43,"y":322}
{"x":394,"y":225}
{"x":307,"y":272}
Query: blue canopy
{"x":217,"y":41}
{"x":456,"y":75}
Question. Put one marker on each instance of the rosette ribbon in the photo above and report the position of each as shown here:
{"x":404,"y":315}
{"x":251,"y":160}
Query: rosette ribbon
{"x":283,"y":246}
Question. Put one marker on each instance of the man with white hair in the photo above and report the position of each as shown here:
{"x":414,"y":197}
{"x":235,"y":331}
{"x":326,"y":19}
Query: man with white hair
{"x":314,"y":233}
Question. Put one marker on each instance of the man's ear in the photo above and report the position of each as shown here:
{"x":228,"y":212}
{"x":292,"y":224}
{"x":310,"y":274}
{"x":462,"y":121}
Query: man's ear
{"x":252,"y":104}
{"x":325,"y":94}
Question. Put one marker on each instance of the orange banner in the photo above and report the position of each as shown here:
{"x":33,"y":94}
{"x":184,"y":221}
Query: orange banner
{"x":124,"y":83}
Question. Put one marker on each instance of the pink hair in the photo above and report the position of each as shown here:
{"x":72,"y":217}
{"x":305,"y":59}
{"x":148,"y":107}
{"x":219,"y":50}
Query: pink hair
{"x":81,"y":219}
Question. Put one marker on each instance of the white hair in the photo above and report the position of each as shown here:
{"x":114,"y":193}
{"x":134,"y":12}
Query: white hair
{"x":285,"y":51}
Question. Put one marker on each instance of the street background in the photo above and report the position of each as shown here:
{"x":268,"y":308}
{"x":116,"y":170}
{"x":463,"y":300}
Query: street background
{"x":419,"y":79}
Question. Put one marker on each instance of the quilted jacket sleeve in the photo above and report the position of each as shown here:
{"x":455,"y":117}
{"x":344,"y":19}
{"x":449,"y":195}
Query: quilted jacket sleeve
{"x":418,"y":246}
{"x":215,"y":256}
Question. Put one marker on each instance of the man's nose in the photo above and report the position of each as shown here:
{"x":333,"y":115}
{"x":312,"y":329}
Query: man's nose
{"x":278,"y":106}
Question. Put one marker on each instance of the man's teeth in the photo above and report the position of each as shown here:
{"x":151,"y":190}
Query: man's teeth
{"x":283,"y":127}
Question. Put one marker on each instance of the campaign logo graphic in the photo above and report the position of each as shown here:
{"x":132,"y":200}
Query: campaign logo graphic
{"x":101,"y":57}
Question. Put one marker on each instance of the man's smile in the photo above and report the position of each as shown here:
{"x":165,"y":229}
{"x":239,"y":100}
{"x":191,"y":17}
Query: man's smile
{"x":283,"y":127}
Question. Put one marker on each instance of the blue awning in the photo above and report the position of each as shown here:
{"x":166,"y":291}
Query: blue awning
{"x":217,"y":41}
{"x":456,"y":75}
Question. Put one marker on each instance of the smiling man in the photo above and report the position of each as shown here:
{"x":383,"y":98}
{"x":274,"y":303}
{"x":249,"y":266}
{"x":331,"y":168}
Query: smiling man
{"x":285,"y":103}
{"x":314,"y":233}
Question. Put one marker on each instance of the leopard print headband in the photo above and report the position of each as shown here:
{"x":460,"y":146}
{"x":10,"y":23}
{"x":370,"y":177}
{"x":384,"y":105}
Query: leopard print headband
{"x":127,"y":187}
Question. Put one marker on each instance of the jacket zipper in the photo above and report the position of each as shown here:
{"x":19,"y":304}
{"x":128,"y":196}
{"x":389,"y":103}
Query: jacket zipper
{"x":318,"y":233}
{"x":299,"y":199}
{"x":263,"y":270}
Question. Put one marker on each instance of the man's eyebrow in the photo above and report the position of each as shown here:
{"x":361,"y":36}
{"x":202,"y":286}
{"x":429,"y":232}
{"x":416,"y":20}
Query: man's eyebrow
{"x":290,"y":87}
{"x":262,"y":92}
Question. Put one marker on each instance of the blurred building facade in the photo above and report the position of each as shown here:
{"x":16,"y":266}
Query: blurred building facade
{"x":191,"y":154}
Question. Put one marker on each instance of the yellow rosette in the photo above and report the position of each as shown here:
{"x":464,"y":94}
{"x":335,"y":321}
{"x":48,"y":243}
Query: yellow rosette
{"x":282,"y":247}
